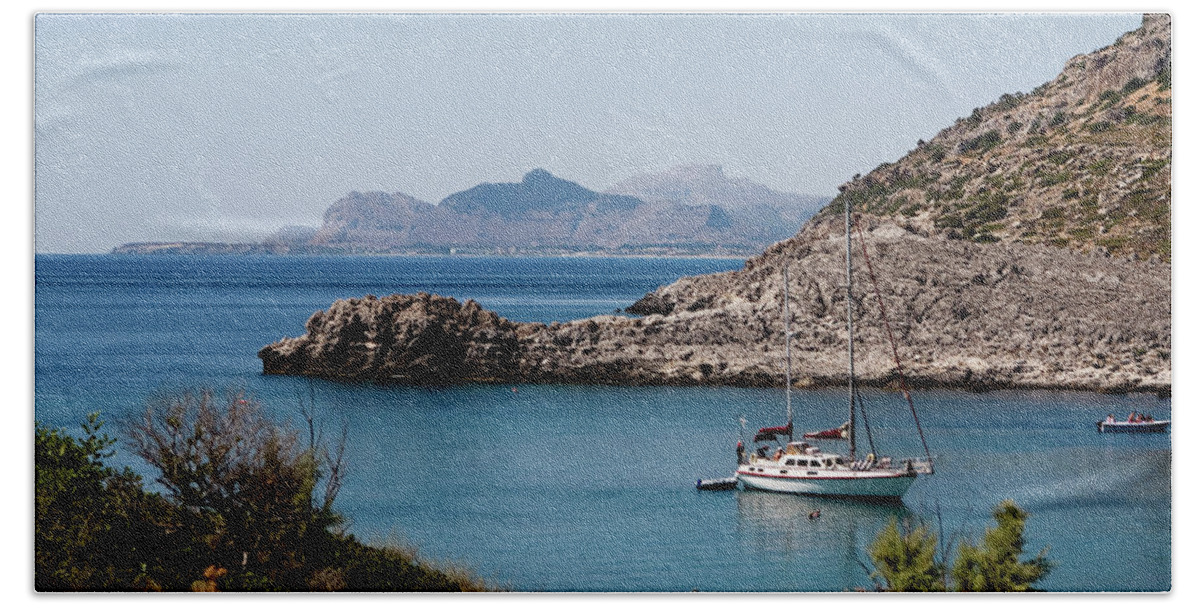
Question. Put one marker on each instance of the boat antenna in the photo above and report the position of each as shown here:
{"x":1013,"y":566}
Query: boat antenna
{"x":850,"y":326}
{"x":787,"y":347}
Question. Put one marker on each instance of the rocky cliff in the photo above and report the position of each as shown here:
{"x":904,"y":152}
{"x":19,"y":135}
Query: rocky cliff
{"x":984,"y":301}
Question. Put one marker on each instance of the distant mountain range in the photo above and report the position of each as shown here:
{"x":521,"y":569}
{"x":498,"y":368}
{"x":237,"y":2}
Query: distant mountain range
{"x":686,"y":210}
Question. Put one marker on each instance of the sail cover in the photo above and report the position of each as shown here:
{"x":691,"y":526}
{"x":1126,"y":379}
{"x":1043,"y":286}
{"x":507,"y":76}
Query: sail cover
{"x":841,"y":432}
{"x":768,"y":433}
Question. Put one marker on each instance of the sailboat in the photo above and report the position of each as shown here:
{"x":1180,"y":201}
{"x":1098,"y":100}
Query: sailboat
{"x":798,"y":467}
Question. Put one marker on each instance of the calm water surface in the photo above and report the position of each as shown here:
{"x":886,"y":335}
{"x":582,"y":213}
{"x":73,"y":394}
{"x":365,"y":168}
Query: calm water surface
{"x":592,"y":488}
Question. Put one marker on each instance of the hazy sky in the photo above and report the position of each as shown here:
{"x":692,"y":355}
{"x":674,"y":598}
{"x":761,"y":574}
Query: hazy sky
{"x":223,"y":127}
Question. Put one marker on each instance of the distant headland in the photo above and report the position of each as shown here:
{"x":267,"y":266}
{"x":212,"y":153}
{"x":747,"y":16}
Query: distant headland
{"x":688,"y":210}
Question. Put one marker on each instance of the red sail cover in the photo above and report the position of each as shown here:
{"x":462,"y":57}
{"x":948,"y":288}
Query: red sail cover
{"x":841,"y":432}
{"x":768,"y":433}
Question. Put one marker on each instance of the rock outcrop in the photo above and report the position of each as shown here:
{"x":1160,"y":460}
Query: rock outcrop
{"x":1020,"y":316}
{"x":419,"y":339}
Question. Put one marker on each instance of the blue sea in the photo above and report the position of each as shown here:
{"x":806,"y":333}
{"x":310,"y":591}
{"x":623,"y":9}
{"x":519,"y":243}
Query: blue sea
{"x":586,"y":488}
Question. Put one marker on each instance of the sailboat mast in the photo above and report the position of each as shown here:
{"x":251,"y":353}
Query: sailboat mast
{"x":850,"y":327}
{"x":787,"y":342}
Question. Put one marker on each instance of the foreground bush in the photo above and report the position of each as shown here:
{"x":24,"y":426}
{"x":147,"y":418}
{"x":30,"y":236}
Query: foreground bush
{"x":247,"y":507}
{"x":908,"y":561}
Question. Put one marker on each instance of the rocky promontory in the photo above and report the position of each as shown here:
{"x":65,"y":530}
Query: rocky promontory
{"x":965,"y":314}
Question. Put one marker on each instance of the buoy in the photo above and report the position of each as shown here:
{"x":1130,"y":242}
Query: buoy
{"x":815,"y":514}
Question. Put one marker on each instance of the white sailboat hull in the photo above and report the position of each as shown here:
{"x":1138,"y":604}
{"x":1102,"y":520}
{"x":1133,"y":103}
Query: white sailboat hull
{"x":887,"y":483}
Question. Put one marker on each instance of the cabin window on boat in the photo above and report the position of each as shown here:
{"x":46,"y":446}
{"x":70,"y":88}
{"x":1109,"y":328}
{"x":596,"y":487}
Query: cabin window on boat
{"x":828,"y":462}
{"x":840,"y":461}
{"x":790,"y":461}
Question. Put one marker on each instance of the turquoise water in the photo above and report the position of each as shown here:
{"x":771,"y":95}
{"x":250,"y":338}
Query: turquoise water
{"x":592,"y":488}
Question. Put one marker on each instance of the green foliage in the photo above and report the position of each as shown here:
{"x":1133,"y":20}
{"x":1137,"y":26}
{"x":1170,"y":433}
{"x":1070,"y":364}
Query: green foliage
{"x":907,"y":561}
{"x":949,"y":220}
{"x":995,"y":564}
{"x":1164,"y":78}
{"x":245,"y":510}
{"x":982,"y":143}
{"x":1009,"y":101}
{"x":1061,"y":157}
{"x":1054,"y":178}
{"x":1058,"y":119}
{"x":992,"y":206}
{"x":1151,"y":168}
{"x":1100,"y":167}
{"x":94,"y":526}
{"x":242,"y":481}
{"x":1108,"y":99}
{"x":1133,"y":84}
{"x":937,"y":152}
{"x":975,"y":119}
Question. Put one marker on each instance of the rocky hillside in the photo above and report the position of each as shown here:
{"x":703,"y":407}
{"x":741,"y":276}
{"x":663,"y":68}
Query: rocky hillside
{"x":1082,"y":162}
{"x":999,"y":266}
{"x":686,"y":211}
{"x":546,"y":214}
{"x":777,"y":215}
{"x":1019,"y":316}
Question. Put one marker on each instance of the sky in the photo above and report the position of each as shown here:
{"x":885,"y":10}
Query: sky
{"x":155,"y":127}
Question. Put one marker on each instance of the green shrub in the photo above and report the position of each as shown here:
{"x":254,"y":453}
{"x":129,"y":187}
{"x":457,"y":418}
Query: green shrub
{"x":1133,"y":84}
{"x":907,"y":560}
{"x":245,"y":510}
{"x":94,"y":526}
{"x":995,"y":563}
{"x":937,"y":152}
{"x":982,"y":143}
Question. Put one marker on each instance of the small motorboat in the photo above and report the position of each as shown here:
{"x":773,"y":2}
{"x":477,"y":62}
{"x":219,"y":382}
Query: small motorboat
{"x":1136,"y":423}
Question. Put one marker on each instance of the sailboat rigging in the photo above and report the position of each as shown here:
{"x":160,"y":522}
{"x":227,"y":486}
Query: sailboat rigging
{"x":801,"y":468}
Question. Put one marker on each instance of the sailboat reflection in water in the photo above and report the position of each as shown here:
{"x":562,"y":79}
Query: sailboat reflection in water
{"x":798,"y":467}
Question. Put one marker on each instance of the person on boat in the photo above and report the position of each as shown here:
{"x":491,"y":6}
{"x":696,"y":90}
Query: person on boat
{"x":778,"y":453}
{"x":1132,"y":417}
{"x":741,"y":453}
{"x":1111,"y":419}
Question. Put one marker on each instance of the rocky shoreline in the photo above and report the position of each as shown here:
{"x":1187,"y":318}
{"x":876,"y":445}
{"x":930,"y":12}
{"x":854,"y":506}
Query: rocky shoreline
{"x":967,"y":315}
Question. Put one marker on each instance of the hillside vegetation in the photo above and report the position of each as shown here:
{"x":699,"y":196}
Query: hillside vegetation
{"x":1082,"y":162}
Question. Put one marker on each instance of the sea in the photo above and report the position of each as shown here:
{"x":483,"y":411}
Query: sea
{"x":593,"y":488}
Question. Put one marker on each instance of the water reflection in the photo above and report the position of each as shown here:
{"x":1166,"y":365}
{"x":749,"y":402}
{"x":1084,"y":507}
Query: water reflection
{"x":780,"y":528}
